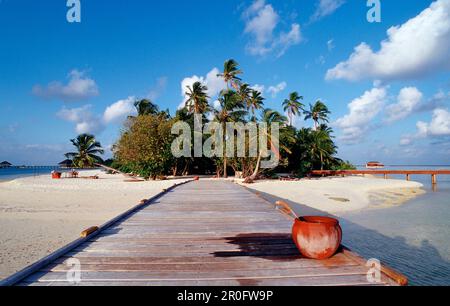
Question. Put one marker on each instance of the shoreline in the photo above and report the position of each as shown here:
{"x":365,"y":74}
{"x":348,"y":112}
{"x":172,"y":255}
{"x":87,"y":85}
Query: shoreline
{"x":39,"y":215}
{"x":337,"y":195}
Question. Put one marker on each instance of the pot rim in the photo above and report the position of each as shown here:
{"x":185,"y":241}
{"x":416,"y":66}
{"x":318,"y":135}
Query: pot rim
{"x":317,"y":220}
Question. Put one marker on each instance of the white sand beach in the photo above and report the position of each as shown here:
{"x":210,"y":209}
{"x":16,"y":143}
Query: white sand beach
{"x":38,"y":215}
{"x":342,"y":194}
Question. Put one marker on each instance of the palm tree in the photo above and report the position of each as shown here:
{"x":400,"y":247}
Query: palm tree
{"x":231,"y":110}
{"x":322,"y":147}
{"x":327,"y":129}
{"x":293,"y":106}
{"x":255,"y":102}
{"x":230,"y":73}
{"x":244,"y":93}
{"x":317,"y":112}
{"x":87,"y":150}
{"x":197,"y":101}
{"x":269,"y":116}
{"x":317,"y":148}
{"x":146,"y":107}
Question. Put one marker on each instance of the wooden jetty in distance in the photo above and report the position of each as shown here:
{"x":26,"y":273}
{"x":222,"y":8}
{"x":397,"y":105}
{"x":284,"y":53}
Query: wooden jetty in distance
{"x":385,"y":173}
{"x":204,"y":233}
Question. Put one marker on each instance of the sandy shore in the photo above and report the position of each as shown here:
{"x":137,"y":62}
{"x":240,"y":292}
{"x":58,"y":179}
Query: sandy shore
{"x":339,"y":195}
{"x":38,"y":215}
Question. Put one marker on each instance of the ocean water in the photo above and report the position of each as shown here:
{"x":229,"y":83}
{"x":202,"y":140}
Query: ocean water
{"x":7,"y":174}
{"x":413,"y":238}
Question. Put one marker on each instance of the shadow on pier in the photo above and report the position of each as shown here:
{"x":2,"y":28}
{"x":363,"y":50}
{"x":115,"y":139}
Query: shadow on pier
{"x":423,"y":265}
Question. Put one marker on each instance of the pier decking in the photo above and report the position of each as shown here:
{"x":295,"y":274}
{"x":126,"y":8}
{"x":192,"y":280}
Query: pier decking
{"x":202,"y":233}
{"x":385,"y":173}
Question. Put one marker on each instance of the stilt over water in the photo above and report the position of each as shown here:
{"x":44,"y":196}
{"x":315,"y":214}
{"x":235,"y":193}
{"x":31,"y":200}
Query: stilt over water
{"x":386,"y":173}
{"x":203,"y":233}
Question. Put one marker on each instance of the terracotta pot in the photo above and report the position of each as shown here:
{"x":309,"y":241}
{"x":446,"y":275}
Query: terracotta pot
{"x":56,"y":175}
{"x":317,"y":237}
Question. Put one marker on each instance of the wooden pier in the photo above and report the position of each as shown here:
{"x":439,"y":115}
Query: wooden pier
{"x":204,"y":233}
{"x":385,"y":173}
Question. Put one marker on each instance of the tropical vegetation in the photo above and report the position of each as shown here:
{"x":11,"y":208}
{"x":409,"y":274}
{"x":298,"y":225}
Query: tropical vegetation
{"x":144,"y":146}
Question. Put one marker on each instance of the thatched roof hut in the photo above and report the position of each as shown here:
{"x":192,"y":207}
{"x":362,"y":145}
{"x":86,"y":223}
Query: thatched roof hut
{"x":66,"y":164}
{"x":5,"y":164}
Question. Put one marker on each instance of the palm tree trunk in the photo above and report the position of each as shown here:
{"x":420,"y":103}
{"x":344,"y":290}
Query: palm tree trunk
{"x":321,"y":161}
{"x":225,"y":175}
{"x":258,"y":164}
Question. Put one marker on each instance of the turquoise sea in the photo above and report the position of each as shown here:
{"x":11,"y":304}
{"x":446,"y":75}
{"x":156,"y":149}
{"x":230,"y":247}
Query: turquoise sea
{"x":7,"y":174}
{"x":413,"y":238}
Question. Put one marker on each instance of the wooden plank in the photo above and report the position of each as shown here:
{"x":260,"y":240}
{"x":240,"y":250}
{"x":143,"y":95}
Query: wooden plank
{"x":206,"y":233}
{"x":21,"y":275}
{"x":170,"y":275}
{"x":381,"y":172}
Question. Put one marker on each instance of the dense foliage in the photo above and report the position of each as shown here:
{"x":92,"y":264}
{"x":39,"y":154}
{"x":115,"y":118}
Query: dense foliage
{"x":145,"y":142}
{"x":144,"y":146}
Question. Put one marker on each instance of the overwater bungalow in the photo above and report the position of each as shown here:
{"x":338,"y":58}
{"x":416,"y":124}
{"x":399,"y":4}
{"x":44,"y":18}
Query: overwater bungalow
{"x":5,"y":164}
{"x":374,"y":165}
{"x":66,"y":164}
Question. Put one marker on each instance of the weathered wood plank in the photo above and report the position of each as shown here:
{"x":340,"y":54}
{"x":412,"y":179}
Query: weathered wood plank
{"x":205,"y":233}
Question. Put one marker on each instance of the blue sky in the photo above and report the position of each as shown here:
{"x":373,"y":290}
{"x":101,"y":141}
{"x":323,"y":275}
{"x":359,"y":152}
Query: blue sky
{"x":390,"y":97}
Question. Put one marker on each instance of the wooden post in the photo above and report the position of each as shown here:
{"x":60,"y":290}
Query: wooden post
{"x":408,"y":177}
{"x":385,"y":176}
{"x":433,"y":179}
{"x":89,"y":231}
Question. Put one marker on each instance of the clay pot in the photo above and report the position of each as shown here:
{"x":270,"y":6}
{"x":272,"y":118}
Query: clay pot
{"x":317,"y":237}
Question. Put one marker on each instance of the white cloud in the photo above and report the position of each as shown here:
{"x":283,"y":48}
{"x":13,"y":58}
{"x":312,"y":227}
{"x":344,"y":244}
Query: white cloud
{"x":274,"y":90}
{"x":416,"y":48}
{"x":439,"y":125}
{"x":216,"y":105}
{"x":287,"y":40}
{"x":259,"y":88}
{"x":363,"y":110}
{"x":326,"y":8}
{"x":408,"y":99}
{"x":84,"y":119}
{"x":261,"y":22}
{"x":214,"y":83}
{"x":119,"y":111}
{"x":406,"y":141}
{"x":75,"y":114}
{"x":79,"y":87}
{"x":330,"y":45}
